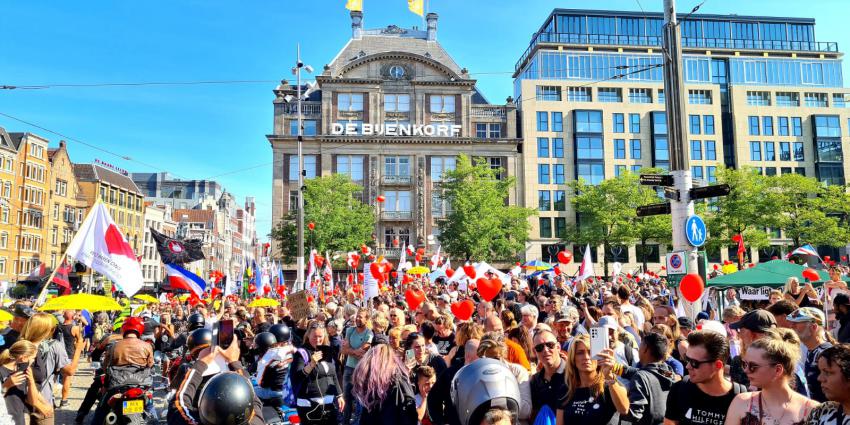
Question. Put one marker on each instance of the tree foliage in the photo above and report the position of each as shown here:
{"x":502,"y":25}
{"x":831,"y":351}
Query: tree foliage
{"x":480,"y":224}
{"x":342,"y":221}
{"x":809,"y":212}
{"x":746,"y":210}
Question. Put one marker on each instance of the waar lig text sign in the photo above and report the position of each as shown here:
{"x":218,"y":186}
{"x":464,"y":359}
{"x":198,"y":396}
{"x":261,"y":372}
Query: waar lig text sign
{"x":396,"y":130}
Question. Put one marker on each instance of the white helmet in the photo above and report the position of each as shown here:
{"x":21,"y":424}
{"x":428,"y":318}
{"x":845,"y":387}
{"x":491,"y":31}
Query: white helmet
{"x":483,"y":385}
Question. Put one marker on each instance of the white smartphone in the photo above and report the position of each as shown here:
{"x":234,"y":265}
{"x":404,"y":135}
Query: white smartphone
{"x":598,"y":341}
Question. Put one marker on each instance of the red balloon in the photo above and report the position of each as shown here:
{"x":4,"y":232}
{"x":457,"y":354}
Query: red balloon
{"x":843,"y":258}
{"x":395,"y":242}
{"x":381,"y":198}
{"x":489,"y":288}
{"x":470,"y":271}
{"x":450,"y":272}
{"x":309,"y":298}
{"x":311,"y":225}
{"x":811,"y":275}
{"x":376,"y":270}
{"x":463,"y":309}
{"x":628,"y":275}
{"x":418,"y":258}
{"x":360,"y":277}
{"x":565,"y":257}
{"x":350,"y":279}
{"x":364,"y":249}
{"x":716,"y":267}
{"x":414,"y":298}
{"x":692,"y":287}
{"x":557,"y":270}
{"x":736,"y":238}
{"x":420,"y":251}
{"x":406,"y":279}
{"x":252,"y":288}
{"x":826,"y":257}
{"x":394,"y":274}
{"x":267,"y":289}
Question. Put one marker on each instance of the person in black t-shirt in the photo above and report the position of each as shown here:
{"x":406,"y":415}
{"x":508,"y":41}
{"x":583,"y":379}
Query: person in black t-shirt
{"x":594,"y":397}
{"x":444,"y":339}
{"x":549,"y":386}
{"x":704,"y":396}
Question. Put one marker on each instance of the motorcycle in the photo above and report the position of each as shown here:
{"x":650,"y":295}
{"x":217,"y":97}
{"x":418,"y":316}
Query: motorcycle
{"x":130,"y":405}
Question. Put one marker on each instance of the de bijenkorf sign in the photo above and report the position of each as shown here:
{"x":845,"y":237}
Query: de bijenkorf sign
{"x":695,"y":231}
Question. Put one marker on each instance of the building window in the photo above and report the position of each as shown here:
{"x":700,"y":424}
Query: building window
{"x":592,"y":173}
{"x":309,"y":127}
{"x":442,"y":104}
{"x":558,"y":170}
{"x":544,"y":201}
{"x":557,"y":121}
{"x":769,"y":151}
{"x":560,"y":200}
{"x":829,"y":151}
{"x":309,"y":168}
{"x":543,"y":173}
{"x":696,"y":173}
{"x":543,"y":147}
{"x":619,"y":170}
{"x":542,"y":121}
{"x":783,"y":126}
{"x":589,"y":148}
{"x":545,"y":227}
{"x":640,"y":96}
{"x":397,"y":103}
{"x":439,"y":166}
{"x":816,"y":100}
{"x":481,"y":130}
{"x":784,"y":151}
{"x":767,"y":126}
{"x":758,"y":98}
{"x":350,"y":165}
{"x":787,"y":99}
{"x":699,"y":97}
{"x":588,"y":121}
{"x":397,"y":201}
{"x":397,"y":166}
{"x":549,"y":93}
{"x":495,"y":131}
{"x":610,"y":95}
{"x":710,"y":150}
{"x":579,"y":94}
{"x":827,"y":126}
{"x":838,"y":100}
{"x":798,"y":152}
{"x":711,"y":173}
{"x":497,"y":167}
{"x":635,"y":148}
{"x":754,"y":126}
{"x":634,"y":123}
{"x":619,"y":123}
{"x":797,"y":126}
{"x":661,"y":97}
{"x":755,"y":151}
{"x":619,"y":149}
{"x":560,"y":227}
{"x":696,"y":150}
{"x":350,"y":102}
{"x":557,"y":147}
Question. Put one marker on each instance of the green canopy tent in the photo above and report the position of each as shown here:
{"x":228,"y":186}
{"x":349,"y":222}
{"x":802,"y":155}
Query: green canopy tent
{"x":773,"y":273}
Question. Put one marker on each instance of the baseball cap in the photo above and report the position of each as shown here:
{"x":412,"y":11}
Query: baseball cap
{"x":23,"y":311}
{"x":686,"y":322}
{"x":841,"y":299}
{"x":713,"y":326}
{"x":562,"y":317}
{"x":807,"y":314}
{"x":756,"y":321}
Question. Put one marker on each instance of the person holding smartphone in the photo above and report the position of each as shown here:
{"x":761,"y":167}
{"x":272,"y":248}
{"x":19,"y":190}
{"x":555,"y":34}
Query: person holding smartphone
{"x":20,"y":391}
{"x":317,"y":389}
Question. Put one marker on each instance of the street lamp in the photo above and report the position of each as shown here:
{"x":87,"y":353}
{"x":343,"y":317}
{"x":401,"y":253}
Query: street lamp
{"x":311,"y":87}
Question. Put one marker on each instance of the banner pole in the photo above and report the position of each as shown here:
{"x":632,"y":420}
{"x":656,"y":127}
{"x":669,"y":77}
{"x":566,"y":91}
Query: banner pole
{"x":43,"y":294}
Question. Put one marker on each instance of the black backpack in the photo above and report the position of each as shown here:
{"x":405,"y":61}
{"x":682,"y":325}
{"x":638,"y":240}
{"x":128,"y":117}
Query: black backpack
{"x":39,"y":365}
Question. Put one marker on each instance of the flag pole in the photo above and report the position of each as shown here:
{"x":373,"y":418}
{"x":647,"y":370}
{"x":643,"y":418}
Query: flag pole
{"x":43,"y":294}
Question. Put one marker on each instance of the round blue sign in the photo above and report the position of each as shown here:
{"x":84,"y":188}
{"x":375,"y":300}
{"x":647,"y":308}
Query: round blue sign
{"x":675,"y":261}
{"x":695,"y":231}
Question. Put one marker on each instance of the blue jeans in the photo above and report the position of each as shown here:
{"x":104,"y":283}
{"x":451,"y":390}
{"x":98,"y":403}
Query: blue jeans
{"x":351,"y":414}
{"x":267,"y":394}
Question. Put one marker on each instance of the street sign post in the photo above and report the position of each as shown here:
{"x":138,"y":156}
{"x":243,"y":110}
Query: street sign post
{"x":672,"y":194}
{"x":656,"y":180}
{"x":653,"y":209}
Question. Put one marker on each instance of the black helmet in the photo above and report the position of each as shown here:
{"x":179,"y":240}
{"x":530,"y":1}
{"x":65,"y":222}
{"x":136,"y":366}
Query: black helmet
{"x":196,"y":321}
{"x":199,"y":338}
{"x":227,"y":399}
{"x":281,"y":332}
{"x":263,"y":341}
{"x":482,"y":385}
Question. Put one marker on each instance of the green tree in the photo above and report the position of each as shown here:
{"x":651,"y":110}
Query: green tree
{"x":809,"y":212}
{"x":342,"y":222}
{"x":480,"y":224}
{"x":748,"y":209}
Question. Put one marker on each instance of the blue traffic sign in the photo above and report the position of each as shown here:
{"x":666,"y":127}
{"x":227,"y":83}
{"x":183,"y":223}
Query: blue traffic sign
{"x":695,"y":231}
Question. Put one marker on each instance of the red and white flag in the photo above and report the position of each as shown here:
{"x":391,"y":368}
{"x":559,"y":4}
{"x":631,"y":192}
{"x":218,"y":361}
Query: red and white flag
{"x":100,"y":245}
{"x":586,"y":269}
{"x":61,"y":277}
{"x":37,"y":272}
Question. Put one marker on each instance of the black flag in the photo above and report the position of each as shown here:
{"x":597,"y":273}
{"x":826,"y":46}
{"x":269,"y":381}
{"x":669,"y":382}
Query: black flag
{"x":175,"y":251}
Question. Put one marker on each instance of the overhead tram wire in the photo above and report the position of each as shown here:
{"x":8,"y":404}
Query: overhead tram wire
{"x":131,"y":84}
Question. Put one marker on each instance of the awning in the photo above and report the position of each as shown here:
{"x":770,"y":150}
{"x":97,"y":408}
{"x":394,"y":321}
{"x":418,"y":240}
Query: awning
{"x":773,"y":273}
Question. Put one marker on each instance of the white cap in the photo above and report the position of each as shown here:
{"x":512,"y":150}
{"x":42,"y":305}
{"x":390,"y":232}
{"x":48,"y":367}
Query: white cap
{"x":712,"y":325}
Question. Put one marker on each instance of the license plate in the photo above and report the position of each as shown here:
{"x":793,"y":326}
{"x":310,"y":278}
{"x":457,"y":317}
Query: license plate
{"x":133,"y":406}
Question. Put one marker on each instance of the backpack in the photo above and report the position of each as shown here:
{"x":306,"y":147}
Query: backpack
{"x":290,"y":393}
{"x":39,"y":364}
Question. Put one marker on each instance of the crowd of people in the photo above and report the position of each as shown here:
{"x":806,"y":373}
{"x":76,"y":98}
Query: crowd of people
{"x":533,"y":354}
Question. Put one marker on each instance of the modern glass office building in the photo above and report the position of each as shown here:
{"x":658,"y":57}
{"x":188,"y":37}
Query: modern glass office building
{"x":761,"y":92}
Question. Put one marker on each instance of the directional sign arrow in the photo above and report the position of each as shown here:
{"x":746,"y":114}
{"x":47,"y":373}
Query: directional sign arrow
{"x":653,"y":209}
{"x":656,"y":180}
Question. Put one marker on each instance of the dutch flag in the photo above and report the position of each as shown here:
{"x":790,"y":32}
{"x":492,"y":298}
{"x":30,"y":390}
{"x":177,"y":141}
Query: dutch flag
{"x":180,"y":278}
{"x":806,"y":249}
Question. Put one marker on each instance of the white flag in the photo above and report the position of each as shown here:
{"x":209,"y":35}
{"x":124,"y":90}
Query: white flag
{"x":586,"y":269}
{"x":100,"y":245}
{"x":370,"y":284}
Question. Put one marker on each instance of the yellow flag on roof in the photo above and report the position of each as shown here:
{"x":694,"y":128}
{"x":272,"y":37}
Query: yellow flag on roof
{"x":354,"y":5}
{"x":416,"y":6}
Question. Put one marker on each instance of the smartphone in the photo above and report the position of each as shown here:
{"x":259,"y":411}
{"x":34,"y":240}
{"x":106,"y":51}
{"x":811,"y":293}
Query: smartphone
{"x":22,"y":367}
{"x":598,"y":341}
{"x":409,"y":356}
{"x":225,"y":333}
{"x":326,"y":353}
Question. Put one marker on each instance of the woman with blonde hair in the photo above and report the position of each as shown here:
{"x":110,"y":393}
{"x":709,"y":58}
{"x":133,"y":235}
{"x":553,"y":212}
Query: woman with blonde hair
{"x":39,"y":330}
{"x":465,"y":332}
{"x":799,"y":296}
{"x":19,"y":387}
{"x":319,"y":393}
{"x":382,"y":386}
{"x":594,"y":395}
{"x":770,"y":363}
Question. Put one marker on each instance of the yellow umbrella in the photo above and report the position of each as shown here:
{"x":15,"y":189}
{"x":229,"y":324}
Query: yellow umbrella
{"x":183,"y":297}
{"x":5,"y":316}
{"x":418,"y":270}
{"x":147,"y":299}
{"x":264,"y":302}
{"x":89,"y":302}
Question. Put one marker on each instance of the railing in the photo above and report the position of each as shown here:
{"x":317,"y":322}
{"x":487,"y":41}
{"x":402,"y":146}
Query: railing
{"x":306,"y":108}
{"x":714,"y":43}
{"x":404,"y":180}
{"x":396,"y":215}
{"x":489,"y":112}
{"x":391,"y":253}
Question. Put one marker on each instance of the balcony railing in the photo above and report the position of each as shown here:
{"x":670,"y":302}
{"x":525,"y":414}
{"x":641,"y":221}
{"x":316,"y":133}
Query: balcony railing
{"x":400,"y":180}
{"x":396,"y":215}
{"x":390,"y":253}
{"x":687,"y":42}
{"x":489,"y":112}
{"x":306,"y":108}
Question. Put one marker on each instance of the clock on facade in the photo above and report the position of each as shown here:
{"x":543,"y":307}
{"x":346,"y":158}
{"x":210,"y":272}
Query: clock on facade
{"x":396,"y":72}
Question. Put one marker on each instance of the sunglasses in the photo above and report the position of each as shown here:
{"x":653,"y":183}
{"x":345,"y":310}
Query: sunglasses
{"x":697,"y":363}
{"x":549,"y":344}
{"x":316,"y":325}
{"x":753,"y":367}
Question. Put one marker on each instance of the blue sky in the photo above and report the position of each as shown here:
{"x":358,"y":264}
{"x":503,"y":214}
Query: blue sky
{"x":205,"y":131}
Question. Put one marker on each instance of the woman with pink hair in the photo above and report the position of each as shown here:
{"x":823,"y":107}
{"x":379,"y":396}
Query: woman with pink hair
{"x":382,"y":386}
